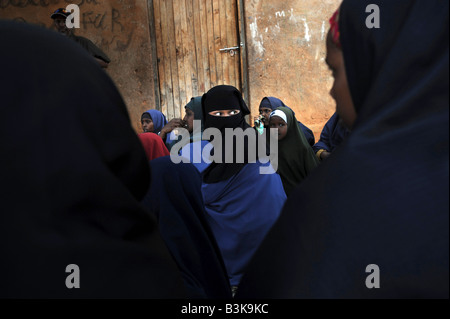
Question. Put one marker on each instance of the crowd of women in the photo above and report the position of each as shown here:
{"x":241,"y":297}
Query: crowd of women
{"x":79,"y":186}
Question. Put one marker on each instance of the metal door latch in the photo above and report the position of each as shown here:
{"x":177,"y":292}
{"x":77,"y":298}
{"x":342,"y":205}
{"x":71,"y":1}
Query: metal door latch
{"x":231,"y":50}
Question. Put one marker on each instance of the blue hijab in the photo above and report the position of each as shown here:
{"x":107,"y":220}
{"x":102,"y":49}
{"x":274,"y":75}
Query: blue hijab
{"x":382,"y":198}
{"x":333,"y":133}
{"x":241,"y":210}
{"x":159,"y":120}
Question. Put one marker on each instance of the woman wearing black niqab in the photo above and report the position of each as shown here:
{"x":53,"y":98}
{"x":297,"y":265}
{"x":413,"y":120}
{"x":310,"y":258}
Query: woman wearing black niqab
{"x":219,"y":98}
{"x":385,"y":202}
{"x":241,"y":203}
{"x":72,"y":173}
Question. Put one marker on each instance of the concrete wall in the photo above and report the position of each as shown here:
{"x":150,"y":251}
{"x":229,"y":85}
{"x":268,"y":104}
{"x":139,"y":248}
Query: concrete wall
{"x":286,"y":52}
{"x":119,"y":27}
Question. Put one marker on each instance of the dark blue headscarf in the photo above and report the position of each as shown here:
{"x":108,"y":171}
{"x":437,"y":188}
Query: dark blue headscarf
{"x":333,"y":133}
{"x":273,"y":103}
{"x":382,"y":198}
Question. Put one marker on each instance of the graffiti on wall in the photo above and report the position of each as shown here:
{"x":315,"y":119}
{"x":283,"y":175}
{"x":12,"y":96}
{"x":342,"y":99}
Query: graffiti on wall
{"x":96,"y":19}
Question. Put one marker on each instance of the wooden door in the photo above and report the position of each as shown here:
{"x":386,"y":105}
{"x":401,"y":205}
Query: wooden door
{"x":190,"y":36}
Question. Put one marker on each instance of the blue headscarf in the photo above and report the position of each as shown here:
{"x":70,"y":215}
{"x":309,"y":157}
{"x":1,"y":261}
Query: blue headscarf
{"x":333,"y":133}
{"x":159,"y":120}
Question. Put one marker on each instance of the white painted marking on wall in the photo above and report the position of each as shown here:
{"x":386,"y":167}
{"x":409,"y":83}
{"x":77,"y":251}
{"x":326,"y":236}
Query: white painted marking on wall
{"x":276,"y":29}
{"x":280,"y":14}
{"x":323,"y":31}
{"x":292,"y":17}
{"x":307,"y":35}
{"x":257,"y":38}
{"x":254,"y":29}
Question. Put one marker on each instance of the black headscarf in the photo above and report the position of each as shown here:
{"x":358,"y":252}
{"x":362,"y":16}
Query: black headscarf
{"x":72,"y":172}
{"x":175,"y":197}
{"x":224,"y":97}
{"x":382,"y":198}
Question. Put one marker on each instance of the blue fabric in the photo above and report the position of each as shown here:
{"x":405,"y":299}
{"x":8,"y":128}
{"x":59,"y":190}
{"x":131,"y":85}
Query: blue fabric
{"x":193,"y":152}
{"x":241,"y":210}
{"x":333,"y":133}
{"x":175,"y":198}
{"x":275,"y":103}
{"x":382,"y":198}
{"x":71,"y":190}
{"x":159,"y":120}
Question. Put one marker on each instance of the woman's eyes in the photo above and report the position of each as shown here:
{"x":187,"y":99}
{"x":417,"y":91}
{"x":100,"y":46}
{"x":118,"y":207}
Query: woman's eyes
{"x":230,"y":113}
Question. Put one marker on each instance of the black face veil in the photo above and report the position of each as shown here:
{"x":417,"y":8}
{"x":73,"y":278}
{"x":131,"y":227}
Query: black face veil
{"x":225,"y":97}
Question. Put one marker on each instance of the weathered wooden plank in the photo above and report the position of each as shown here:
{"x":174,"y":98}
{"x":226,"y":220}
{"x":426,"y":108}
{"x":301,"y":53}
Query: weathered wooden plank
{"x":217,"y":41}
{"x":179,"y":59}
{"x":243,"y":53}
{"x":231,"y":42}
{"x":235,"y":32}
{"x":166,"y":84}
{"x":206,"y":85}
{"x":199,"y":49}
{"x":224,"y":42}
{"x":211,"y":43}
{"x":154,"y":53}
{"x":191,"y":52}
{"x":182,"y":59}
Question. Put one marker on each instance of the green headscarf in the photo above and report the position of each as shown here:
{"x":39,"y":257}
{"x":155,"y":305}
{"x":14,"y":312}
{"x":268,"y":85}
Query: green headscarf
{"x":296,"y":158}
{"x":195,"y":105}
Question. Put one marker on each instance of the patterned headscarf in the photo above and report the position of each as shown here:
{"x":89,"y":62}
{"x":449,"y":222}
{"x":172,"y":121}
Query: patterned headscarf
{"x":334,"y":29}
